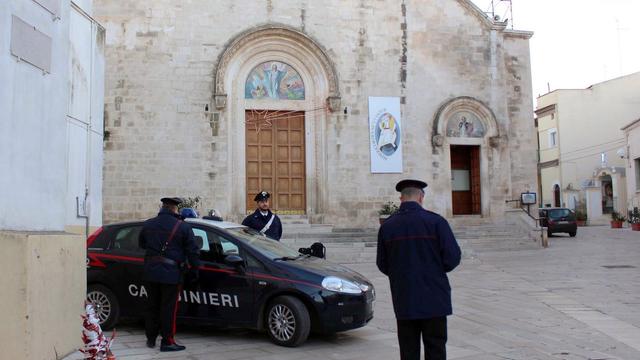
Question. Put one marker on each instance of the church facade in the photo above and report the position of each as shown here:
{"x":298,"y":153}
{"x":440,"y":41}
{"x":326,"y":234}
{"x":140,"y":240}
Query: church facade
{"x":326,"y":105}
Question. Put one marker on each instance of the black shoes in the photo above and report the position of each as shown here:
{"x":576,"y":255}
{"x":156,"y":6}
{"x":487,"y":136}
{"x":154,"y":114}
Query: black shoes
{"x":171,"y":347}
{"x":151,"y":343}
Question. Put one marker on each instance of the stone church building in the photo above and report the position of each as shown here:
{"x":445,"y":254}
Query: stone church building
{"x":223,"y":98}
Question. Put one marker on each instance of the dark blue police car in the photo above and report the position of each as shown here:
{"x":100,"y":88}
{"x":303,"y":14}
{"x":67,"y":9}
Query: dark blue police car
{"x":246,"y":280}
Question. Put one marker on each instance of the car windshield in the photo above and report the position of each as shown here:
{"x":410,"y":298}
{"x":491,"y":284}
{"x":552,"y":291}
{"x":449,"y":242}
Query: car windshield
{"x":268,"y":247}
{"x":558,"y":213}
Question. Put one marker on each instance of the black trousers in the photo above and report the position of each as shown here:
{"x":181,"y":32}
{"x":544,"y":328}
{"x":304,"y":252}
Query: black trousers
{"x":433,"y":333}
{"x":161,"y":311}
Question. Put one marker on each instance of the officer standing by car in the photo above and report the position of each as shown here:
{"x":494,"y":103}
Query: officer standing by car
{"x":169,"y":243}
{"x":416,"y":248}
{"x":263,"y":219}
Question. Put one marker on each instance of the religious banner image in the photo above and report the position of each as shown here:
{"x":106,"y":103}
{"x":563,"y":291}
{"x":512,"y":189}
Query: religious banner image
{"x":385,"y":134}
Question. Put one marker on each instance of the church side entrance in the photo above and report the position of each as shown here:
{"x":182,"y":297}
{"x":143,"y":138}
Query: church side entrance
{"x":275,"y":159}
{"x":465,"y":179}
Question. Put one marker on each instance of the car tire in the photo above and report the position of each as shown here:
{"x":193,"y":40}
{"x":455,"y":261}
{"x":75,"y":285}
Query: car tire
{"x":287,"y":321}
{"x":105,"y":303}
{"x":549,"y":233}
{"x":572,"y":233}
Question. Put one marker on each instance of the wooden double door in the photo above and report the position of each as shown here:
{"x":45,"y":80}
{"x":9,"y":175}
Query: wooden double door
{"x":465,"y":180}
{"x":275,"y":159}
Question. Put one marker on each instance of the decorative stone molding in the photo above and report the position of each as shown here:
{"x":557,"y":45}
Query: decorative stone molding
{"x":276,"y":33}
{"x":334,"y":103}
{"x":472,"y":105}
{"x":437,"y":140}
{"x":220,"y":101}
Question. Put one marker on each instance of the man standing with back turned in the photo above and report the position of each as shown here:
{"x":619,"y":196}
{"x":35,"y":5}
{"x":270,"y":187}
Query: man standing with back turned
{"x":416,"y":248}
{"x":169,"y":243}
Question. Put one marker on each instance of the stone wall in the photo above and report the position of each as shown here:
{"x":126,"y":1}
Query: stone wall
{"x":161,"y":61}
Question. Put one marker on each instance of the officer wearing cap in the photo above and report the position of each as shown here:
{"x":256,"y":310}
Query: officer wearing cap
{"x":416,"y":248}
{"x":170,"y":249}
{"x":263,"y":219}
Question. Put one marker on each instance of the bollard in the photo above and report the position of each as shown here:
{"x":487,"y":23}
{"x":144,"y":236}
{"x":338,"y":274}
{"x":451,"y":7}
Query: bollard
{"x":545,"y":237}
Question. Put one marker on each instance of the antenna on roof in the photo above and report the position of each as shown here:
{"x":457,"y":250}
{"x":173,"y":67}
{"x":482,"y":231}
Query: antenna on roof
{"x":506,"y":8}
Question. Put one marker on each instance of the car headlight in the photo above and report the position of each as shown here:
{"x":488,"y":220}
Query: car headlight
{"x":337,"y":284}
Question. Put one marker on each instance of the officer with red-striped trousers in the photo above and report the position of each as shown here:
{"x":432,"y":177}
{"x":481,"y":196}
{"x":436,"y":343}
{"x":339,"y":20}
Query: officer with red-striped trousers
{"x":416,"y":250}
{"x":170,"y":250}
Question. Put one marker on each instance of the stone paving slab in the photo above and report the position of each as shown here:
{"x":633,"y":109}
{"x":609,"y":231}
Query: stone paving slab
{"x":528,"y":304}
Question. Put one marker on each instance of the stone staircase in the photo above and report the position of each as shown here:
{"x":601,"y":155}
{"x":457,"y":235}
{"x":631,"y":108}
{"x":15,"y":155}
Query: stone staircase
{"x":349,"y":246}
{"x":344,"y":246}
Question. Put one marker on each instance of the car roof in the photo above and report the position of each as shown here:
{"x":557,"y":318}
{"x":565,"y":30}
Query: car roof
{"x":214,"y":223}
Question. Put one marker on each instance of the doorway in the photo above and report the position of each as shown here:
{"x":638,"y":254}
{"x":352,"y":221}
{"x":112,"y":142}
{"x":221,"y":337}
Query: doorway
{"x":275,"y":159}
{"x":465,"y":180}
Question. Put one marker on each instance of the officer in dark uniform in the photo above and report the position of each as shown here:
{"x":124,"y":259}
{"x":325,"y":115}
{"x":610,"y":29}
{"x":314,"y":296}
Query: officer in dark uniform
{"x":416,"y":248}
{"x":170,"y":249}
{"x":263,"y":219}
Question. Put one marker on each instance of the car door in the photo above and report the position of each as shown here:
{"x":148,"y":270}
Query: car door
{"x":223,"y":293}
{"x":127,"y":268}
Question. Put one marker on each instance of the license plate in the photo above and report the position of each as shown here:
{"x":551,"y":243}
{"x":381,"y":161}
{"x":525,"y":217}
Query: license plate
{"x":563,"y":222}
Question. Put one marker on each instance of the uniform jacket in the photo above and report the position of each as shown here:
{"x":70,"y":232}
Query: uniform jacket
{"x":416,"y":248}
{"x":182,"y":247}
{"x":258,"y":221}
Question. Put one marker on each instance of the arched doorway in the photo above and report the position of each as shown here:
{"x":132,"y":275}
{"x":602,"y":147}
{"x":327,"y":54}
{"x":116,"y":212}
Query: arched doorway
{"x":556,"y":195}
{"x":276,"y":87}
{"x":606,"y":184}
{"x":467,"y":132}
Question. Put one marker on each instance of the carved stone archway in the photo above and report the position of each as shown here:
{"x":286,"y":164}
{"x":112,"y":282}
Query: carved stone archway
{"x":490,"y":142}
{"x":278,"y":43}
{"x":283,"y":35}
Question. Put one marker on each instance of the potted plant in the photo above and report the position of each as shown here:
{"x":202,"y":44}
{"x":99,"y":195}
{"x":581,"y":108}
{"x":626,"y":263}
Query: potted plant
{"x":634,"y":219}
{"x":581,"y":218}
{"x":387,"y":209}
{"x":617,"y":220}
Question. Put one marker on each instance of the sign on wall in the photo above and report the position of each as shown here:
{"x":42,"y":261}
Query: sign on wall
{"x":385,"y":134}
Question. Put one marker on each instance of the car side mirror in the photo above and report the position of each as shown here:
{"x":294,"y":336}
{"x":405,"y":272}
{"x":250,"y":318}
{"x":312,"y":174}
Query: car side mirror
{"x":235,"y":261}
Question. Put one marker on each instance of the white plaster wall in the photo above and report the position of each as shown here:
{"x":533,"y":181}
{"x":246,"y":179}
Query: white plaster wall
{"x":589,"y":124}
{"x":32,"y":125}
{"x":38,"y":145}
{"x":633,"y":149}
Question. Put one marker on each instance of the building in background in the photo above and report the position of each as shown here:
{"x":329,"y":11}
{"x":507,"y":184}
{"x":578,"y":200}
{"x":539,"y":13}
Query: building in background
{"x":580,"y":143}
{"x":51,"y":135}
{"x":632,"y":156}
{"x":212,"y":99}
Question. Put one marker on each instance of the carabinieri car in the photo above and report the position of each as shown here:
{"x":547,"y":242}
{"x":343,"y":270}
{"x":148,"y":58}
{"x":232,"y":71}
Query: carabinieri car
{"x":246,"y":281}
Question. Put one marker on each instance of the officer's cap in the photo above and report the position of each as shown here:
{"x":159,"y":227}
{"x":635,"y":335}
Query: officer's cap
{"x":410,"y":183}
{"x":171,"y":201}
{"x":262,"y":196}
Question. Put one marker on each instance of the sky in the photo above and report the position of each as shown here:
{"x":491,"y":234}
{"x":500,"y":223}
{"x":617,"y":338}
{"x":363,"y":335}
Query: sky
{"x":576,"y":43}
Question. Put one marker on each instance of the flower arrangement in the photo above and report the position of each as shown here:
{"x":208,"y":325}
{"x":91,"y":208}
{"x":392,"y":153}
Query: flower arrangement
{"x":634,"y":219}
{"x":388,"y":208}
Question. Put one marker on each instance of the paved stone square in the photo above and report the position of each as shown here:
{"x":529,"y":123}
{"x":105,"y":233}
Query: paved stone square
{"x":578,"y":299}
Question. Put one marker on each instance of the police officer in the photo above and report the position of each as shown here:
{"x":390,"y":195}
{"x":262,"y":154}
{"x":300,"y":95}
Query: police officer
{"x":416,"y":248}
{"x":169,"y":244}
{"x":263,"y":219}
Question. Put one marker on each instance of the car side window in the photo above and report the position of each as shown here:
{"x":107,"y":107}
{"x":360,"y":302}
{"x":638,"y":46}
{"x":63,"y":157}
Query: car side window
{"x":205,"y":238}
{"x":126,"y":238}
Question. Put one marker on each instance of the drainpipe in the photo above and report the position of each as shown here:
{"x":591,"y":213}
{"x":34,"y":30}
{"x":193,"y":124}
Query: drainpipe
{"x":86,"y":211}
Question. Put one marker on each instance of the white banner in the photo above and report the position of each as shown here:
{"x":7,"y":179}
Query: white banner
{"x":385,"y":134}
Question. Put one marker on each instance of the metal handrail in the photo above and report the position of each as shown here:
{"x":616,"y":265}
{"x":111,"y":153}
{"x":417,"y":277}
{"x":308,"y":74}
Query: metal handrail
{"x":544,"y":241}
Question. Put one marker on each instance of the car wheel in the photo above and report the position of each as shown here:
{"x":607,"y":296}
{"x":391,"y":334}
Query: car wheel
{"x":572,"y":234}
{"x":288,"y":322}
{"x":105,"y":303}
